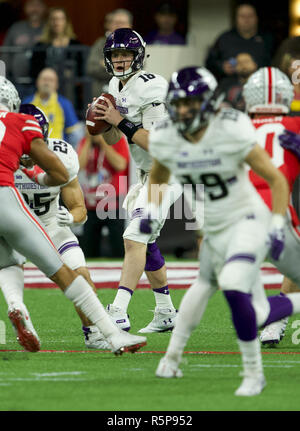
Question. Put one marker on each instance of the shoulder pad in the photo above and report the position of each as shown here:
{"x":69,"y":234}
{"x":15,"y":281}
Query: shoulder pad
{"x":229,"y":114}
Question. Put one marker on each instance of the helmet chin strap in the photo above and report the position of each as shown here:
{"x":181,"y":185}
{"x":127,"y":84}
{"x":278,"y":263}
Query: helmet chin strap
{"x":124,"y":75}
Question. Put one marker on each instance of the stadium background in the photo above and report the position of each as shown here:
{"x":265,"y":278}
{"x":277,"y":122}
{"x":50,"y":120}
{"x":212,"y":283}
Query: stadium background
{"x":200,"y":22}
{"x":62,"y":377}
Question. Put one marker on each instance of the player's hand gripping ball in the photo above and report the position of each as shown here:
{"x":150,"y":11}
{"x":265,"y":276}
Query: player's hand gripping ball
{"x":96,"y":127}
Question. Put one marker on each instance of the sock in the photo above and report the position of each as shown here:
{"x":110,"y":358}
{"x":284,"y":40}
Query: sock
{"x":83,"y":296}
{"x":12,"y":284}
{"x":295,"y":301}
{"x":163,"y":298}
{"x":242,"y":313}
{"x":282,"y":306}
{"x":251,"y":356}
{"x":123,"y":297}
{"x":190,"y":312}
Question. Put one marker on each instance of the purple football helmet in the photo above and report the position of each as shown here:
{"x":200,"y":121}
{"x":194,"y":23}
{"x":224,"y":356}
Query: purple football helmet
{"x":192,"y":83}
{"x":129,"y":40}
{"x":38,"y":114}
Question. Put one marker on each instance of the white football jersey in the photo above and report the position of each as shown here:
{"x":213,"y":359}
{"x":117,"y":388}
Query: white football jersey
{"x":217,"y":162}
{"x":44,"y":200}
{"x":142,"y":92}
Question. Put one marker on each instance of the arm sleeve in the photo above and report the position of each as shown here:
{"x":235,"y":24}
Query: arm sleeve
{"x":153,"y":114}
{"x":70,"y":161}
{"x":239,"y":134}
{"x":73,"y":168}
{"x":154,"y":93}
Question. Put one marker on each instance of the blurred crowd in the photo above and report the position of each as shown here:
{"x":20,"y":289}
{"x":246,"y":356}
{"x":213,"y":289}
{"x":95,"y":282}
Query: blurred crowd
{"x":52,"y":69}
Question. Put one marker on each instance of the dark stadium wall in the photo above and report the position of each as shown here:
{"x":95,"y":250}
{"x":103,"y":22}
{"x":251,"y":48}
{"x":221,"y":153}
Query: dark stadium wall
{"x":273,"y":17}
{"x":88,"y":16}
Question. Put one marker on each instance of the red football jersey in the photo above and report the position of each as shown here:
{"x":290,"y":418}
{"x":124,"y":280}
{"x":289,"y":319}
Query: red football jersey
{"x":16,"y":133}
{"x":267,"y":131}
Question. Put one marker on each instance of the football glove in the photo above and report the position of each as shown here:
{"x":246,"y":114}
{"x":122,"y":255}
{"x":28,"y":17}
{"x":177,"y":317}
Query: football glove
{"x":36,"y":174}
{"x":276,"y":236}
{"x":290,"y":141}
{"x":149,"y":222}
{"x":64,"y":217}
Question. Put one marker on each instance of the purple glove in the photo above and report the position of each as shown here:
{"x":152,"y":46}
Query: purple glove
{"x":290,"y":141}
{"x":145,"y":224}
{"x":276,"y":236}
{"x":149,"y":222}
{"x":277,"y":243}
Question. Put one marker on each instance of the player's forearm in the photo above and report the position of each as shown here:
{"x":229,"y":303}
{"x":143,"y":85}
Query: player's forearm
{"x":112,"y":136}
{"x":140,"y":138}
{"x":280,"y":194}
{"x":55,"y":178}
{"x":79,"y":214}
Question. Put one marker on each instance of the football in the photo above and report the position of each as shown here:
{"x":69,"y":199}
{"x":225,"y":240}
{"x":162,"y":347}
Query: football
{"x":96,"y":127}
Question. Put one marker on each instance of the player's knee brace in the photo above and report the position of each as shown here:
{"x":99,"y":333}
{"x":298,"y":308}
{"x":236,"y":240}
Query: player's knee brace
{"x":154,"y":259}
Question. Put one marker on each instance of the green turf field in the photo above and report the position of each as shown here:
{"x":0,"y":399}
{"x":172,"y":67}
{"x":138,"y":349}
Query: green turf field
{"x":101,"y":381}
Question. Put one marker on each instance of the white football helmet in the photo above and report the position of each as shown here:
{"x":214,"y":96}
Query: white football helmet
{"x":9,"y":96}
{"x":268,"y":91}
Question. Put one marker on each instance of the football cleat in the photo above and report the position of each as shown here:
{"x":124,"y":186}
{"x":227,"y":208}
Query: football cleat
{"x":168,"y":369}
{"x":163,"y":320}
{"x":252,"y":384}
{"x":123,"y":342}
{"x":26,"y":334}
{"x":274,"y":332}
{"x":94,"y":339}
{"x":119,"y":317}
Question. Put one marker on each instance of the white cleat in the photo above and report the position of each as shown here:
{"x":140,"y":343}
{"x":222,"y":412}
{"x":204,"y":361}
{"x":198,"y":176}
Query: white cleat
{"x":94,"y":339}
{"x":168,"y":369}
{"x":26,"y":334}
{"x":252,"y":384}
{"x":122,"y":342}
{"x":119,"y":317}
{"x":274,"y":332}
{"x":163,"y":320}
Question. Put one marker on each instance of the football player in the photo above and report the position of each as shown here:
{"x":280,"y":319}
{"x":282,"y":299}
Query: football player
{"x":268,"y":95}
{"x":44,"y":202}
{"x":140,"y":103}
{"x":21,"y":231}
{"x":206,"y":145}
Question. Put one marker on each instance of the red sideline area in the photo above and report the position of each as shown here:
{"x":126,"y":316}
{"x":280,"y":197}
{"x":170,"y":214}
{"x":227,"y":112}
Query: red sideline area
{"x":107,"y":275}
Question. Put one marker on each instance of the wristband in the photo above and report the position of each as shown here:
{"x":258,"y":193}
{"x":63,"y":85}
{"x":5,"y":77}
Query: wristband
{"x":128,"y":128}
{"x":277,"y":221}
{"x":41,"y":179}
